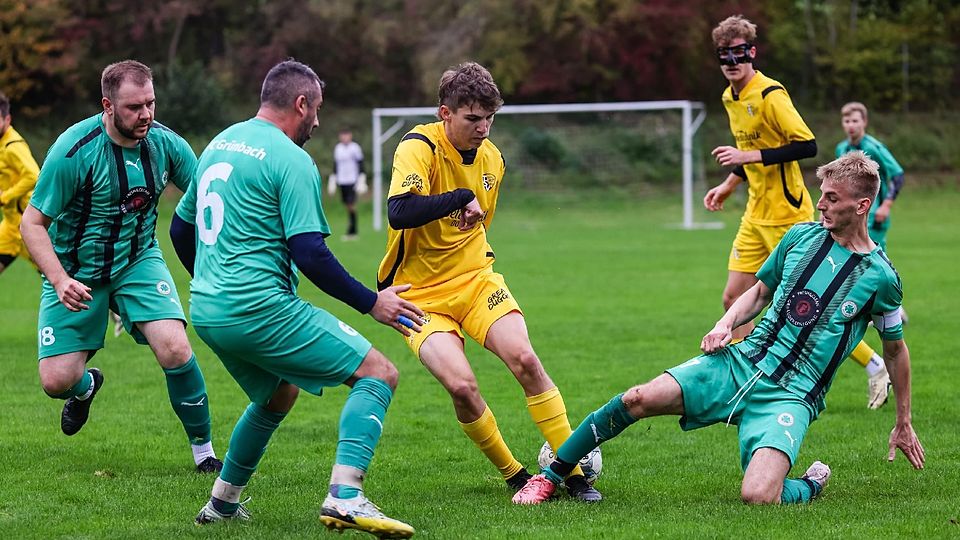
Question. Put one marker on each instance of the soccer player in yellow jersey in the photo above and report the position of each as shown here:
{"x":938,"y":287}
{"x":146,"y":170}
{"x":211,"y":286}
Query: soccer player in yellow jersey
{"x":770,"y":138}
{"x":443,"y":194}
{"x":18,"y":176}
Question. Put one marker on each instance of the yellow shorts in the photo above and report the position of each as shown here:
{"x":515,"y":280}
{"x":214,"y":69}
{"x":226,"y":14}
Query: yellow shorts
{"x":471,"y":303}
{"x":11,"y":244}
{"x":753,"y":244}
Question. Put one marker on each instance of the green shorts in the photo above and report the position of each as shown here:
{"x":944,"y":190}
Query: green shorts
{"x":144,"y":291}
{"x":767,"y":415}
{"x":302,"y":345}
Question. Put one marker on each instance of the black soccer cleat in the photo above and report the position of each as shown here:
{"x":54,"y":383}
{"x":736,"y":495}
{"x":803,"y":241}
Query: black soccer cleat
{"x":76,"y":412}
{"x":210,"y":465}
{"x":578,"y":488}
{"x":519,"y":479}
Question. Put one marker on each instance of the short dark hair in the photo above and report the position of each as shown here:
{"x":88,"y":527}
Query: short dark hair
{"x":114,"y":75}
{"x":4,"y":105}
{"x":467,"y":84}
{"x":288,"y":80}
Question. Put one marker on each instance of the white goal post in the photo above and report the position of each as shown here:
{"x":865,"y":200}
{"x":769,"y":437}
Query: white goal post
{"x":690,"y":124}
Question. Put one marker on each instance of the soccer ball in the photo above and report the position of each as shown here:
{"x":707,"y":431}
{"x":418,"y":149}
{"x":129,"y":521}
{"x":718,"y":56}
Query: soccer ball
{"x":591,"y":464}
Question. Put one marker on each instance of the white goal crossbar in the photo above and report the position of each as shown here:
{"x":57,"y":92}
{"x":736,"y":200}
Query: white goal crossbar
{"x":690,"y":125}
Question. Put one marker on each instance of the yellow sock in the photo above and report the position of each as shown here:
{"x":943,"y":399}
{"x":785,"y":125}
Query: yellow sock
{"x":550,"y":414}
{"x":862,"y":353}
{"x":486,"y":435}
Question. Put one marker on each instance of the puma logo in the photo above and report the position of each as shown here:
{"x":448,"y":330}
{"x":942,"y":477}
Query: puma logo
{"x":833,"y":265}
{"x":132,"y":164}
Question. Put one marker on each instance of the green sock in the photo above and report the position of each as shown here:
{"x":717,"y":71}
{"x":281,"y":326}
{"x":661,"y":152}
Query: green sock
{"x":248,"y":443}
{"x":188,"y":395}
{"x":361,"y":422}
{"x":601,"y":425}
{"x":798,"y":490}
{"x":80,"y":388}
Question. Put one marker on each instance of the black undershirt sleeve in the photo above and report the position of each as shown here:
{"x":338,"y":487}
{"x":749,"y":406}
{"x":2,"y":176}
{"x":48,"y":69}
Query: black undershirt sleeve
{"x":793,"y":151}
{"x":408,"y":211}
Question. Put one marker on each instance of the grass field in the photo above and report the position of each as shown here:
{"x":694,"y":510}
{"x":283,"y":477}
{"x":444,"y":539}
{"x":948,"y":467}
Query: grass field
{"x":612,"y":297}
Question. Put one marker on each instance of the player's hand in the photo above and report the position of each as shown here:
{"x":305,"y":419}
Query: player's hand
{"x":717,"y":338}
{"x":713,"y":201}
{"x":389,"y":309}
{"x":472,"y":214}
{"x":882,"y":213}
{"x":729,"y":156}
{"x":906,"y":440}
{"x":73,"y":294}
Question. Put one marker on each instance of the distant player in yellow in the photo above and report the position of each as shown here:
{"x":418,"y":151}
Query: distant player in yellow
{"x":18,"y":176}
{"x":443,"y":194}
{"x":854,"y":120}
{"x":770,"y":138}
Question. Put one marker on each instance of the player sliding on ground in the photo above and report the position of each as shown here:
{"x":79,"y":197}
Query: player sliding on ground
{"x":446,"y":181}
{"x":826,"y":281}
{"x":255,"y":208}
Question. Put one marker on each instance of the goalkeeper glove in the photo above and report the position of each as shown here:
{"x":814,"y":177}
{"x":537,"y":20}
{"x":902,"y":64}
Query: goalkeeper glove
{"x":362,"y":184}
{"x":332,"y":184}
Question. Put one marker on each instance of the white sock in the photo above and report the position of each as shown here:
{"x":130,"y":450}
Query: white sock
{"x":202,"y":452}
{"x":875,"y":365}
{"x":225,"y":491}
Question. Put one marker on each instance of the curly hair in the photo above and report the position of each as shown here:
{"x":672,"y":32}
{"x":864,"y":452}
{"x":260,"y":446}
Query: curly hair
{"x":735,"y":26}
{"x":467,"y":84}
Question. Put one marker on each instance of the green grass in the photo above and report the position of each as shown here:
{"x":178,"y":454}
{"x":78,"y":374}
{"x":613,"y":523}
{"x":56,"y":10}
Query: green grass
{"x":612,"y":297}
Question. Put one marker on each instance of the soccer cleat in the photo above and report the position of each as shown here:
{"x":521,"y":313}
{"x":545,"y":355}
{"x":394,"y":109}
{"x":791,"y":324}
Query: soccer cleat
{"x":359,"y":513}
{"x":210,"y":465}
{"x":578,"y":488}
{"x":209,"y":514}
{"x":519,"y":479}
{"x":878,"y":389}
{"x":818,"y":473}
{"x":75,"y":412}
{"x":537,"y":490}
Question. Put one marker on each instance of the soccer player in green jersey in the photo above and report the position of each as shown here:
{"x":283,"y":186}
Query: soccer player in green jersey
{"x":255,"y":209}
{"x":854,"y":116}
{"x":97,"y":194}
{"x":824,"y":282}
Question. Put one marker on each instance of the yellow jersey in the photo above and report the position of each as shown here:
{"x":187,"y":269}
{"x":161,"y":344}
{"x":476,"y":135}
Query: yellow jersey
{"x":426,"y":163}
{"x":18,"y":174}
{"x":763,"y":116}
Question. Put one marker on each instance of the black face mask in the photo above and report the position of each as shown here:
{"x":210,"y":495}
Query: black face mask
{"x":738,"y":54}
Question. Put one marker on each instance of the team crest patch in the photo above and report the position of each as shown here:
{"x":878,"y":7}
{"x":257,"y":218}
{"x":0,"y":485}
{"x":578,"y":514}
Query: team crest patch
{"x":848,"y":309}
{"x":803,"y":308}
{"x":136,"y":200}
{"x":785,"y":419}
{"x":489,"y":181}
{"x":163,"y":288}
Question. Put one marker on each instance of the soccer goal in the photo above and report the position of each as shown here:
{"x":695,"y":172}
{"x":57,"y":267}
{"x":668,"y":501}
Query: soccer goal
{"x":575,"y":145}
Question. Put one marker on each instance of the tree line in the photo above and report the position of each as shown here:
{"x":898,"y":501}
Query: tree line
{"x":895,"y":55}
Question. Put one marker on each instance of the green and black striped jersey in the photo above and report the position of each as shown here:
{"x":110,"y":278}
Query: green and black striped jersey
{"x":824,"y":296}
{"x":103,"y":197}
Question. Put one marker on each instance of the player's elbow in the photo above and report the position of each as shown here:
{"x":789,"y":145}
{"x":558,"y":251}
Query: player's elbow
{"x":808,"y":149}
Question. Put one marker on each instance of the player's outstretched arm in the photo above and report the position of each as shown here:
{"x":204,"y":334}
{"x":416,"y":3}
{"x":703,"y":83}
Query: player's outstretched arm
{"x":184,"y":238}
{"x":395,"y":312}
{"x":714,"y":198}
{"x":33,"y":229}
{"x":743,"y":309}
{"x":897,"y":358}
{"x":409,"y":210}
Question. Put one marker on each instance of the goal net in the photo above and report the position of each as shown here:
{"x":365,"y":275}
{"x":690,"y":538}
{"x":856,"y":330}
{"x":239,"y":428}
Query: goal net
{"x":628,"y":147}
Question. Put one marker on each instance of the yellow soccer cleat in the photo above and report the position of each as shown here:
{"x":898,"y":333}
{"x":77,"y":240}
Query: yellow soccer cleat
{"x":361,"y":514}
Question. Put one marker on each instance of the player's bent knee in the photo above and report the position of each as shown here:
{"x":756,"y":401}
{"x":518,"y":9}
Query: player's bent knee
{"x":283,"y":398}
{"x":463,"y":391}
{"x":752,"y":493}
{"x":378,"y":366}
